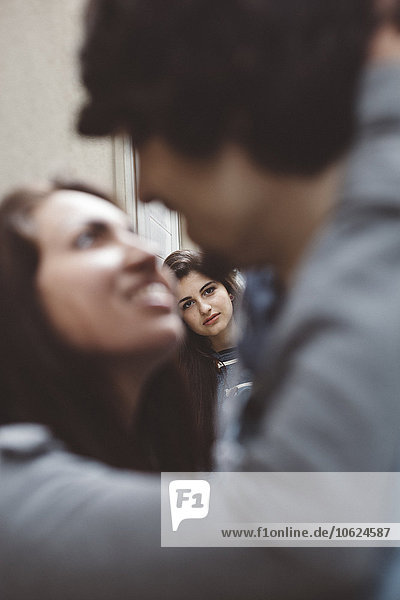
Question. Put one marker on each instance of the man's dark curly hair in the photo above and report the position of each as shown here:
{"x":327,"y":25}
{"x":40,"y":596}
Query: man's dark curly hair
{"x":278,"y":77}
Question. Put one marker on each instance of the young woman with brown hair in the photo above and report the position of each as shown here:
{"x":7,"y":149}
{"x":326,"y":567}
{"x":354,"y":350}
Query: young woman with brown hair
{"x":208,"y":355}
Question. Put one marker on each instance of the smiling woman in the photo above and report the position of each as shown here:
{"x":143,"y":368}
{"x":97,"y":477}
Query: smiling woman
{"x":89,"y":325}
{"x":99,"y":282}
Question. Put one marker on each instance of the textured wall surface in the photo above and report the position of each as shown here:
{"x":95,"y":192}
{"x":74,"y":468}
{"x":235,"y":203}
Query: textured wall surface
{"x":40,"y":95}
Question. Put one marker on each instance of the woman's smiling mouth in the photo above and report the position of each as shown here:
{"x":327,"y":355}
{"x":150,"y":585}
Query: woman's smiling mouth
{"x":154,"y":294}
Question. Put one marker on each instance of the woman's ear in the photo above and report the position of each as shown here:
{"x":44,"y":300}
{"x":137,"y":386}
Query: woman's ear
{"x":232,"y":297}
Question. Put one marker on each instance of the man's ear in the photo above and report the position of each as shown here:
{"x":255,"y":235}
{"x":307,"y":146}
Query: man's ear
{"x":389,"y":11}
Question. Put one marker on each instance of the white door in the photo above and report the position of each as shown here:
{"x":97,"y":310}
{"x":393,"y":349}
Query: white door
{"x":160,"y":225}
{"x":152,"y":221}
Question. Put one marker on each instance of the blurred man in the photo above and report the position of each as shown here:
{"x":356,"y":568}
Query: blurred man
{"x":243,"y":114}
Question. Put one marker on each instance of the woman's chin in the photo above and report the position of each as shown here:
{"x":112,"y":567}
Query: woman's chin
{"x":148,"y":345}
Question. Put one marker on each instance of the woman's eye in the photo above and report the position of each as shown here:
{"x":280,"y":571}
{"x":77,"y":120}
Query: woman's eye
{"x":84,"y":240}
{"x":187,"y":304}
{"x":87,"y":238}
{"x":209,"y":290}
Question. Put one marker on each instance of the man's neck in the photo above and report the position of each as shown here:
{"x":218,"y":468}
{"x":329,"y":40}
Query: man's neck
{"x":305,"y":204}
{"x":385,"y":45}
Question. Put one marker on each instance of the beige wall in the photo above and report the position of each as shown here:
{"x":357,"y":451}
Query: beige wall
{"x":40,"y":95}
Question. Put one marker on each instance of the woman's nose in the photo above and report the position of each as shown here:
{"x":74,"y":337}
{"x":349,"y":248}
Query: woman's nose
{"x":139,"y":254}
{"x":204,"y":307}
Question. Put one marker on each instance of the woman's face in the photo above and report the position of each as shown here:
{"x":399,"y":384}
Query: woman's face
{"x":98,"y":282}
{"x":205,"y":305}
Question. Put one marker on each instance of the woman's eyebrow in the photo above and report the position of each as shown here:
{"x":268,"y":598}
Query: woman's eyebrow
{"x":205,"y":285}
{"x":98,"y":223}
{"x":88,"y":222}
{"x":200,"y":290}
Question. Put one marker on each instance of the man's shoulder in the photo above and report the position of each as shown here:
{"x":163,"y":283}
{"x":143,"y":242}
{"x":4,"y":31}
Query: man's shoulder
{"x":32,"y":460}
{"x":372,"y":176}
{"x":26,"y":440}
